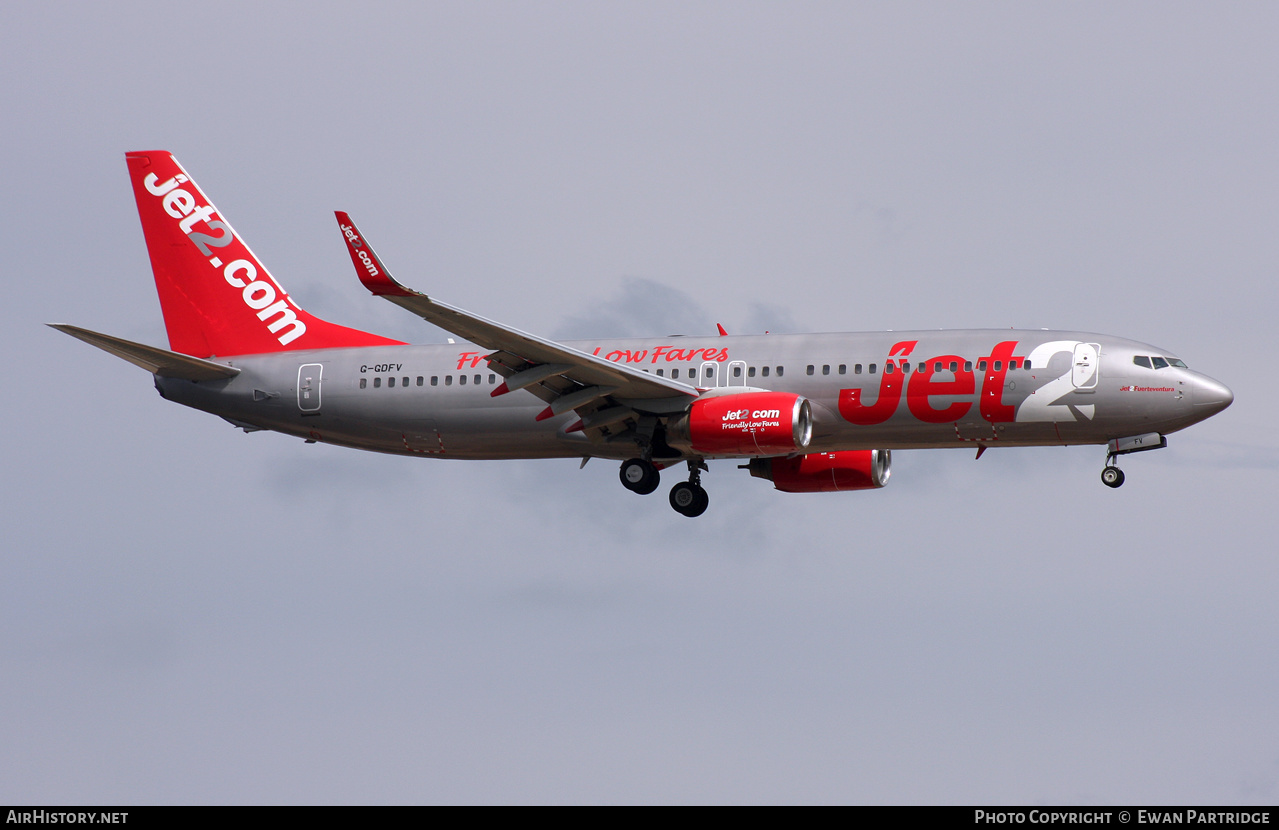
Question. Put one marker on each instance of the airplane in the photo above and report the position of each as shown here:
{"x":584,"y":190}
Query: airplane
{"x":809,"y":412}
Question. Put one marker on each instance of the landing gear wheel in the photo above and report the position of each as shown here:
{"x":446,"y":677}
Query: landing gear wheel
{"x":1112,"y":477}
{"x":689,"y":499}
{"x":639,"y":476}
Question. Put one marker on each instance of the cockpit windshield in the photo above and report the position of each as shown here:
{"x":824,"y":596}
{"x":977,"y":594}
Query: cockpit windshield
{"x":1157,"y":362}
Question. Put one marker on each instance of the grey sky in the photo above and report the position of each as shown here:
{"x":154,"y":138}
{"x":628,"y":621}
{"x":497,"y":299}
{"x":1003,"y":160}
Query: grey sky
{"x":190,"y":614}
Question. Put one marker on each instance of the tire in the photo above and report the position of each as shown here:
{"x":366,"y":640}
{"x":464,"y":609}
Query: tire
{"x":689,"y":499}
{"x":1112,"y":477}
{"x":703,"y":501}
{"x":639,"y":476}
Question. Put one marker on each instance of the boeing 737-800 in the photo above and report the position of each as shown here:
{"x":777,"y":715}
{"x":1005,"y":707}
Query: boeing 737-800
{"x":810,"y":412}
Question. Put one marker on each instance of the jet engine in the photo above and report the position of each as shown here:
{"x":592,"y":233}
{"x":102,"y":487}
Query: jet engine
{"x":826,"y":472}
{"x":747,"y":423}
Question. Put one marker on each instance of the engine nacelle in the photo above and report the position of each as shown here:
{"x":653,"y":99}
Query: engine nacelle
{"x":748,"y":423}
{"x":826,"y":472}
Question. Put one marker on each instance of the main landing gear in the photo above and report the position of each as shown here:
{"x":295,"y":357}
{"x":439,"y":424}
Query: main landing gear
{"x":688,"y":498}
{"x":639,"y":476}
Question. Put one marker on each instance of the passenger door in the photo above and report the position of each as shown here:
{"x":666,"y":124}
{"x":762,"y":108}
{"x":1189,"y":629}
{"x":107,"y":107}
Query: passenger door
{"x":1085,"y":367}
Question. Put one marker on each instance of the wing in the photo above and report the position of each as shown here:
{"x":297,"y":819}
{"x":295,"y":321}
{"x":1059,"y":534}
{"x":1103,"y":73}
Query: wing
{"x":601,"y":392}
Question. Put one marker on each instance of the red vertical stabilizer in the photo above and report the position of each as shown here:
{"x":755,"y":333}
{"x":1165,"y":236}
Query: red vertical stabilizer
{"x":217,"y":298}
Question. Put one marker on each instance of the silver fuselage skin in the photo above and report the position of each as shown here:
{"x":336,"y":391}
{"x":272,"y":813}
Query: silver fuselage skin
{"x":1080,"y":388}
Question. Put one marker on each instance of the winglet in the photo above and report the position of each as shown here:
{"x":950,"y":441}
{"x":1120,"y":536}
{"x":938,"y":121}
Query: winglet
{"x":722,"y":333}
{"x":368,"y":267}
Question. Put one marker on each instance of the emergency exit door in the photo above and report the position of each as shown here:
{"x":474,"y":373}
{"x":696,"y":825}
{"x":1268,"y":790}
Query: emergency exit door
{"x":309,"y":375}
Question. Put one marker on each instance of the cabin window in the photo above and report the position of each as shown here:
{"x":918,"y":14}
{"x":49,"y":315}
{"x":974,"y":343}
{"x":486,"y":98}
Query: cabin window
{"x":492,"y":379}
{"x":405,"y":384}
{"x":890,"y":368}
{"x":710,"y":371}
{"x":764,"y":371}
{"x":435,"y":380}
{"x":390,"y":382}
{"x":674,"y":373}
{"x":999,"y":364}
{"x":420,"y":379}
{"x":780,"y":370}
{"x":1012,"y":364}
{"x":923,"y":367}
{"x":448,"y":380}
{"x":661,"y":373}
{"x":377,"y":383}
{"x":937,"y":366}
{"x":737,"y":371}
{"x":857,"y":368}
{"x":843,"y":369}
{"x":477,"y":380}
{"x":981,"y":365}
{"x":826,"y":369}
{"x":954,"y":367}
{"x":364,"y":382}
{"x":461,"y":380}
{"x":968,"y":365}
{"x":809,"y":370}
{"x":873,"y":366}
{"x":1159,"y":362}
{"x":750,"y":373}
{"x":1025,"y":364}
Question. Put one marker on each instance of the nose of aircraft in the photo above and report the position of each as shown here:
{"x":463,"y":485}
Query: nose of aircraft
{"x":1210,"y":396}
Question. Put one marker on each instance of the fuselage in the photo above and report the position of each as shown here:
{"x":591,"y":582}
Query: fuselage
{"x":881,"y":390}
{"x":812,"y":413}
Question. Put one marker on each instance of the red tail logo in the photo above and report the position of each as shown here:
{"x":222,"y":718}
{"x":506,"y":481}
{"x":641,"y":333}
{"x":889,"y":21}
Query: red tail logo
{"x":217,"y":297}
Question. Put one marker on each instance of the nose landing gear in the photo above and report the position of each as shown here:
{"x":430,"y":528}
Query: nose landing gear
{"x":1112,"y":476}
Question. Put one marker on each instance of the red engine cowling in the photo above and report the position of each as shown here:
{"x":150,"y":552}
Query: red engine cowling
{"x":749,"y":423}
{"x":826,"y":472}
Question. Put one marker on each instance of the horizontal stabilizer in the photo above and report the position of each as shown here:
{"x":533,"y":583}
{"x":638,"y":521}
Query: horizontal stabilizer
{"x":157,"y":361}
